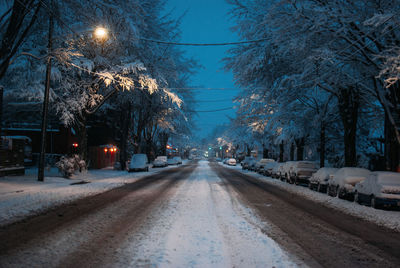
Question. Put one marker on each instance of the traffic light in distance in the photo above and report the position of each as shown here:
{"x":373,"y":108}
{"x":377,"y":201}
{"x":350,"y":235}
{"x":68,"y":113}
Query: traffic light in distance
{"x":220,"y":147}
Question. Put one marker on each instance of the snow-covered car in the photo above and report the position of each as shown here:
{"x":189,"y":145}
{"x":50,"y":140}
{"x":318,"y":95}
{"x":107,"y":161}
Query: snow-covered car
{"x":171,"y":161}
{"x":285,"y":171}
{"x":160,"y":161}
{"x":178,"y":160}
{"x":138,"y":162}
{"x":319,"y":180}
{"x":259,"y":166}
{"x":252,"y":165}
{"x":343,"y":181}
{"x":268,"y":168}
{"x":246,"y":161}
{"x":224,"y":160}
{"x":301,"y":171}
{"x":379,"y":189}
{"x":277,"y":170}
{"x":231,"y":162}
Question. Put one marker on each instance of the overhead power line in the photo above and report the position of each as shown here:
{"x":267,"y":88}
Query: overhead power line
{"x":211,"y":111}
{"x":202,"y":44}
{"x":203,"y":88}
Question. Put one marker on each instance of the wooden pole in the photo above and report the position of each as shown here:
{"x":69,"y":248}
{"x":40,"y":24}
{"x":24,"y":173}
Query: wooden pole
{"x":46,"y":102}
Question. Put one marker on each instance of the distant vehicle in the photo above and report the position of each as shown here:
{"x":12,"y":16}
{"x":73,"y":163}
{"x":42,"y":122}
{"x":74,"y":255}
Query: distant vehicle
{"x":246,"y":161}
{"x":319,"y":180}
{"x":138,"y":162}
{"x":231,"y":162}
{"x":218,"y":159}
{"x":285,"y":171}
{"x":178,"y":160}
{"x":344,"y":180}
{"x":268,"y":168}
{"x":171,"y":161}
{"x":301,"y":171}
{"x":160,"y":161}
{"x":260,"y":164}
{"x":379,"y":189}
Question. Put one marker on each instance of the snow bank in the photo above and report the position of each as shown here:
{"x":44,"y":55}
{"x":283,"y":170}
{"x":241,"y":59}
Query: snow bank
{"x":22,"y":196}
{"x":390,"y":219}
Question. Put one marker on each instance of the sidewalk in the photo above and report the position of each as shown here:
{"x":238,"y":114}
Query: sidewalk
{"x":22,"y":196}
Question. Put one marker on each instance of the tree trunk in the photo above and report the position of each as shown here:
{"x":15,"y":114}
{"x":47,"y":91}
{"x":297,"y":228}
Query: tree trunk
{"x":265,"y":152}
{"x":322,"y":145}
{"x":392,"y":128}
{"x":163,"y":143}
{"x":82,"y":136}
{"x":300,"y":149}
{"x":292,"y":151}
{"x":392,"y":147}
{"x":281,"y":151}
{"x":348,"y":109}
{"x":126,"y":119}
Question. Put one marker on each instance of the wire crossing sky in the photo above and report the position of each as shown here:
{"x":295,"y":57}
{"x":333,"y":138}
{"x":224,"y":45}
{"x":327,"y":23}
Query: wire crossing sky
{"x":207,"y":21}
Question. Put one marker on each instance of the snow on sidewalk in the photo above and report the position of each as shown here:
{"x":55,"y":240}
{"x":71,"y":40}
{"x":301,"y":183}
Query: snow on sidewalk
{"x":22,"y":196}
{"x":202,"y":226}
{"x":387,"y":218}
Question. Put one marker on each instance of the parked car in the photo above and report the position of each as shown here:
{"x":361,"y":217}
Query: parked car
{"x":231,"y":162}
{"x":301,"y":171}
{"x":379,"y":189}
{"x":285,"y":171}
{"x":277,"y":170}
{"x":160,"y":161}
{"x":343,"y":181}
{"x":246,"y":161}
{"x":268,"y":168}
{"x":252,"y":165}
{"x":178,"y":160}
{"x":138,"y":162}
{"x":260,"y":164}
{"x":319,"y":180}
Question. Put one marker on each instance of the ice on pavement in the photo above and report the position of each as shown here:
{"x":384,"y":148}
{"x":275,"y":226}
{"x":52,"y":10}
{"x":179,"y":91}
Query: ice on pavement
{"x":203,"y":226}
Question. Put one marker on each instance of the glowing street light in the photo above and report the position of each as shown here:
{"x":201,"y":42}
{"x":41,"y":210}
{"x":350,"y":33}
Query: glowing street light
{"x":101,"y":34}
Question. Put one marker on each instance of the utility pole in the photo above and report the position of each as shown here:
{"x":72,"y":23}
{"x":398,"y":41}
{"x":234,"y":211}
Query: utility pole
{"x":46,"y":100}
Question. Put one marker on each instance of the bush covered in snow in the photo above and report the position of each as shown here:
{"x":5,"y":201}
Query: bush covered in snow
{"x":68,"y":165}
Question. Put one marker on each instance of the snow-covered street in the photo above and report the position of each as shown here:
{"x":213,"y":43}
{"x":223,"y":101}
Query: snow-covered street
{"x":202,"y":226}
{"x":198,"y":215}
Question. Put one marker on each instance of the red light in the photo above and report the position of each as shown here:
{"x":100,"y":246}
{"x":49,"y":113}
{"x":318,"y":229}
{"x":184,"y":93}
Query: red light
{"x":75,"y":145}
{"x":105,"y":150}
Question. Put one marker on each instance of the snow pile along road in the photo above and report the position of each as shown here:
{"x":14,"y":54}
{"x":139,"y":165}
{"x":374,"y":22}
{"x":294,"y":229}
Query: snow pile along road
{"x":22,"y":196}
{"x":389,"y":219}
{"x":202,"y":226}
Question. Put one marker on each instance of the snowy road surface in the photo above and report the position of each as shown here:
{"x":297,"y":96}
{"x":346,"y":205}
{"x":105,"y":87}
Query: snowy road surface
{"x":199,"y":215}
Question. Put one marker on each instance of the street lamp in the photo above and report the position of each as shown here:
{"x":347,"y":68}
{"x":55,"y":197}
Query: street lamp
{"x":101,"y":34}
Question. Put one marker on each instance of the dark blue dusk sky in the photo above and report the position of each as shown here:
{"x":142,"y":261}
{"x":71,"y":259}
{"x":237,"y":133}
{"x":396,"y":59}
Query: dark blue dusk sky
{"x":207,"y":21}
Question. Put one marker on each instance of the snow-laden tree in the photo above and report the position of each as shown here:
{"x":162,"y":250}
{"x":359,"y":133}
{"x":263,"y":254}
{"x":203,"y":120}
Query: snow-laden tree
{"x":330,"y":46}
{"x":88,"y":71}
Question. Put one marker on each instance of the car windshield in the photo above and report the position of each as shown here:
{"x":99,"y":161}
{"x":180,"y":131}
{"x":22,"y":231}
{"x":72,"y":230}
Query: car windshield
{"x":139,"y":157}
